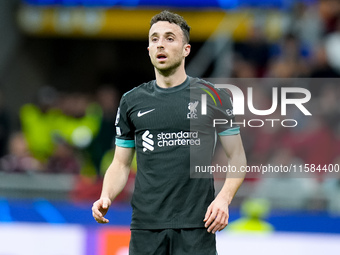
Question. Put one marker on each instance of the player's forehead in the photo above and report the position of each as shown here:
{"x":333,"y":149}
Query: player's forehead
{"x":165,"y":27}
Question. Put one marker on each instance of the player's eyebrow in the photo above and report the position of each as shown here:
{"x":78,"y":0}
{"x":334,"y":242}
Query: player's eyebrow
{"x":154,"y":34}
{"x":170,"y":33}
{"x":166,"y":33}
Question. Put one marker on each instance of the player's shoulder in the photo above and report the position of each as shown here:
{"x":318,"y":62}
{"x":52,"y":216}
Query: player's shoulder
{"x":209,"y":86}
{"x":138,"y":90}
{"x":199,"y":82}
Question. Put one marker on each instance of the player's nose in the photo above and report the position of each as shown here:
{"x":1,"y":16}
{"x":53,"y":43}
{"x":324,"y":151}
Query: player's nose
{"x":160,"y":43}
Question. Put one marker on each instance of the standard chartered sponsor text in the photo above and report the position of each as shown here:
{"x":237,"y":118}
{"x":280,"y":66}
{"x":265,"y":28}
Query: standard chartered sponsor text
{"x":178,"y":138}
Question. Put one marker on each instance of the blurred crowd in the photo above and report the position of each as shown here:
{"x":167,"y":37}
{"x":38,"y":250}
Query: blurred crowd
{"x":309,"y":46}
{"x":61,"y":133}
{"x":74,"y":132}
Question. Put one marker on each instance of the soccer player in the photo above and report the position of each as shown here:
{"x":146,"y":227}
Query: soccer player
{"x":175,"y":211}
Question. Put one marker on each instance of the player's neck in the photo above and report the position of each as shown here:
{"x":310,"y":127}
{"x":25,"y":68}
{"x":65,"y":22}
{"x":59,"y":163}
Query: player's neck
{"x":170,"y":80}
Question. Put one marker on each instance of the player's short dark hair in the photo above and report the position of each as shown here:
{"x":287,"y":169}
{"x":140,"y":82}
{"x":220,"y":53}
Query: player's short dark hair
{"x":173,"y":18}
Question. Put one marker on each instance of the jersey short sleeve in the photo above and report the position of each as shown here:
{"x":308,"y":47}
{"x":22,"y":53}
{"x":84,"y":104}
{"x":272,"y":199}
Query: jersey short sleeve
{"x":125,"y":135}
{"x":224,"y":116}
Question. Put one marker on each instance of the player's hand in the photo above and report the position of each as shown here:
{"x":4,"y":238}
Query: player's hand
{"x":100,"y":208}
{"x":217,"y":215}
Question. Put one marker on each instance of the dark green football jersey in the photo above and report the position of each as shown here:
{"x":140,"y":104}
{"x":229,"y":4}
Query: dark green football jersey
{"x":172,"y":131}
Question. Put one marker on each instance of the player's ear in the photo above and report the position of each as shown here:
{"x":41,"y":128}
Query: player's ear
{"x":187,"y":48}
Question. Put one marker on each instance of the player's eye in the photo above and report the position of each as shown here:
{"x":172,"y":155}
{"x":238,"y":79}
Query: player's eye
{"x":154,"y":39}
{"x":170,"y":39}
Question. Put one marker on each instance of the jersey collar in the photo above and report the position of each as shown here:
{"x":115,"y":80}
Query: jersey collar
{"x":173,"y":89}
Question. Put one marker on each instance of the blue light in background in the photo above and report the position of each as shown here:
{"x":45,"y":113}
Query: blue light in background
{"x":5,"y":212}
{"x":48,"y":211}
{"x":228,"y":4}
{"x":221,"y":4}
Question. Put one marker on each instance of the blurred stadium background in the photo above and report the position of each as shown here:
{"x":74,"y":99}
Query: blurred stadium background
{"x":64,"y":65}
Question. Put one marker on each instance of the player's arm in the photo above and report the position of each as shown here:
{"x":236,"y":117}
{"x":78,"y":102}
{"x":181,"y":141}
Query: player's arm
{"x":115,"y":180}
{"x":217,"y":215}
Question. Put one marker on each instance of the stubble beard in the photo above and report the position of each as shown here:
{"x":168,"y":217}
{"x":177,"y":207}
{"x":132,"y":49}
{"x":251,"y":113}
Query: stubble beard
{"x":169,"y":70}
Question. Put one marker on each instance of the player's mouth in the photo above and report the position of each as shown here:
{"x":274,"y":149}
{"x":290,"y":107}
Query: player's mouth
{"x":161,"y":56}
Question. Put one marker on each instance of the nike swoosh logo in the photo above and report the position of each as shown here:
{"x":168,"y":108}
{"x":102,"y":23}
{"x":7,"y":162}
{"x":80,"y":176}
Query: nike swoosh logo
{"x":140,"y":114}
